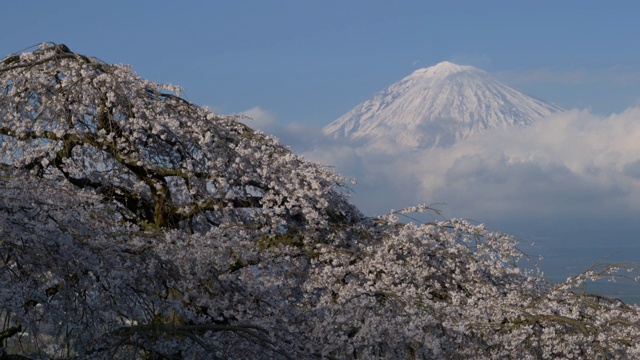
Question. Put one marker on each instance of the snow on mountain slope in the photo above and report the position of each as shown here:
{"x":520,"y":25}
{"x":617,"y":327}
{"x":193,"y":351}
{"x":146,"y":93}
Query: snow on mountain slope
{"x":436,"y":107}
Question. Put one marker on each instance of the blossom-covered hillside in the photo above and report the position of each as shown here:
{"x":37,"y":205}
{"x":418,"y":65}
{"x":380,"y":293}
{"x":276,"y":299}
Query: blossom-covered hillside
{"x":136,"y":225}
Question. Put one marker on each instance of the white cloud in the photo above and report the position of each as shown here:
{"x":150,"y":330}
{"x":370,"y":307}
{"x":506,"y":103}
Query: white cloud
{"x":259,"y":118}
{"x":299,"y":137}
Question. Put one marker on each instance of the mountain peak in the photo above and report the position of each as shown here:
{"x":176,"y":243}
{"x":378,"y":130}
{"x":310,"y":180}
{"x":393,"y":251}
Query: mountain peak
{"x":436,"y":107}
{"x":444,"y":69}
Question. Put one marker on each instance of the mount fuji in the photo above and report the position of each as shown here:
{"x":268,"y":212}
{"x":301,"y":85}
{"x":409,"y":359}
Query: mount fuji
{"x":436,"y":107}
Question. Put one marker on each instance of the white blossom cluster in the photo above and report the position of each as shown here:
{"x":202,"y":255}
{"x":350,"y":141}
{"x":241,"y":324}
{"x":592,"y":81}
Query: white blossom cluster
{"x":135,"y":225}
{"x":167,"y":161}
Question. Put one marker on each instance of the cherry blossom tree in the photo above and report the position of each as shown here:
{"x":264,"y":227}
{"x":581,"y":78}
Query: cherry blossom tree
{"x":137,"y":225}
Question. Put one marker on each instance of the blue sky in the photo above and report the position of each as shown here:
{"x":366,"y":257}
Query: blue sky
{"x":312,"y":61}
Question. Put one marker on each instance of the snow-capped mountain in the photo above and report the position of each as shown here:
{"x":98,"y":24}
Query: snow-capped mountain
{"x":435,"y":107}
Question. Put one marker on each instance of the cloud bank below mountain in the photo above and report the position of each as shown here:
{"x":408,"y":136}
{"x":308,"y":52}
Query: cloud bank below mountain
{"x":569,"y":162}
